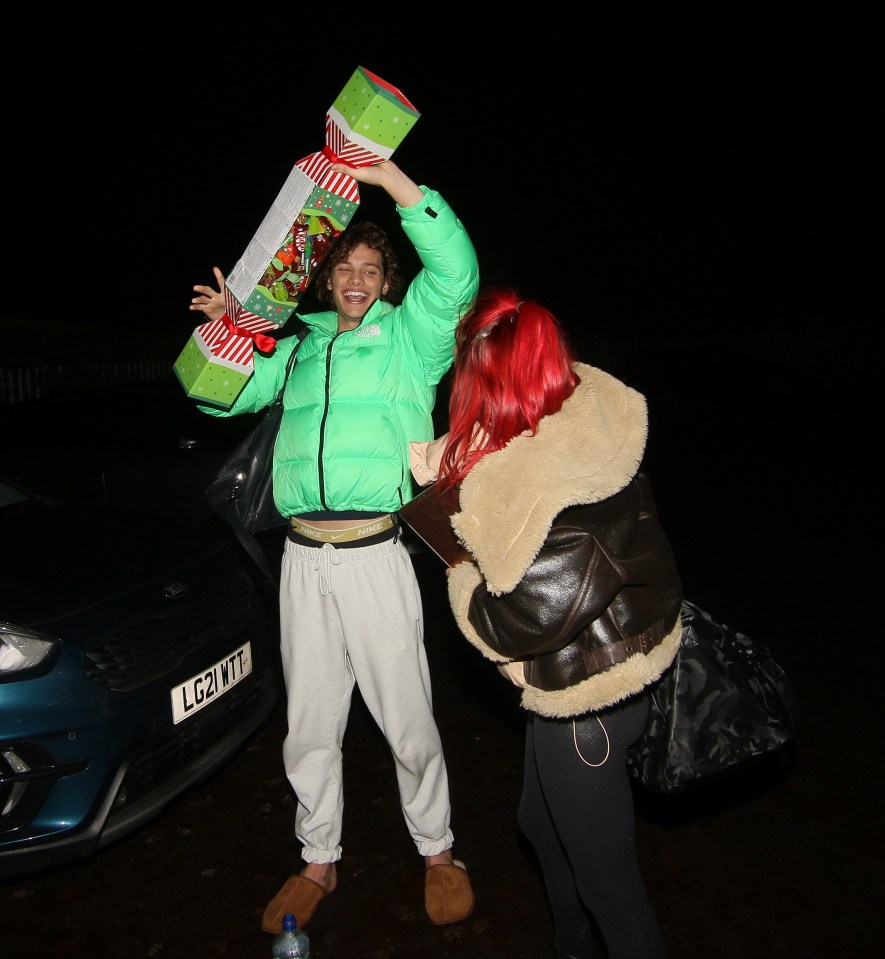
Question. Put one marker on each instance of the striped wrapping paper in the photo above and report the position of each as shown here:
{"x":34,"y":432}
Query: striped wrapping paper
{"x":234,"y":345}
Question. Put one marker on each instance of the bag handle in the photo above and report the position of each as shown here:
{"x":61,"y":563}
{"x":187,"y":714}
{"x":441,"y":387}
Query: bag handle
{"x":247,"y":538}
{"x":301,"y":332}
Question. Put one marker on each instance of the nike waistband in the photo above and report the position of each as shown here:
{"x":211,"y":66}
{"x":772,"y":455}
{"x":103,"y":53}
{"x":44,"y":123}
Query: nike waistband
{"x":365,"y":533}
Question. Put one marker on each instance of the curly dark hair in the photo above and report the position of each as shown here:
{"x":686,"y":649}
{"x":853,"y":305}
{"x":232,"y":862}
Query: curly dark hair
{"x":374,"y":237}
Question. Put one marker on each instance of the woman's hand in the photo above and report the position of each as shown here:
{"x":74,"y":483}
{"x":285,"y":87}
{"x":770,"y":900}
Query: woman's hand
{"x":210,"y":302}
{"x":515,"y":672}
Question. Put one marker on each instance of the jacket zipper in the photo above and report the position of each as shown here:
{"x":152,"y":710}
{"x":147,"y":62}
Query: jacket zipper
{"x":321,"y":481}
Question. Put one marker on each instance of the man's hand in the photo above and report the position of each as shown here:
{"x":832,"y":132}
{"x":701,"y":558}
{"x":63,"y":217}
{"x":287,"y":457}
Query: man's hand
{"x":210,"y":302}
{"x":386,"y":174}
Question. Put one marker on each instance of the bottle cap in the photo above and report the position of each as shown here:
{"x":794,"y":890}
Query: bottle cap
{"x":289,"y":922}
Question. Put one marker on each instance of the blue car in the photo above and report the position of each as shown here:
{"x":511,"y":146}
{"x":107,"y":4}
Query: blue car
{"x":136,"y":657}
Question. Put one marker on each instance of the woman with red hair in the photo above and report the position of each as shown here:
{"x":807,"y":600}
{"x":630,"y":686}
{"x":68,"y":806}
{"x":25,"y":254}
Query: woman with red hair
{"x":572,"y":591}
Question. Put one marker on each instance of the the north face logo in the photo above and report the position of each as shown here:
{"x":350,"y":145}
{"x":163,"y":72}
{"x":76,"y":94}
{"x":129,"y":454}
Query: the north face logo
{"x":371,"y":330}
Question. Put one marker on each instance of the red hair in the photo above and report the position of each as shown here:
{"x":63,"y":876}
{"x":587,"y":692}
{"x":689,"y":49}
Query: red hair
{"x":513,"y":366}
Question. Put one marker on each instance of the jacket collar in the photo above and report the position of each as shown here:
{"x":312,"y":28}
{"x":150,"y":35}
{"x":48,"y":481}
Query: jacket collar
{"x":586,"y":452}
{"x":327,"y":320}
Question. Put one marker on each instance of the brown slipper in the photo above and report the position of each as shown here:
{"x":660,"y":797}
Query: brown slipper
{"x":300,"y":896}
{"x":448,"y":895}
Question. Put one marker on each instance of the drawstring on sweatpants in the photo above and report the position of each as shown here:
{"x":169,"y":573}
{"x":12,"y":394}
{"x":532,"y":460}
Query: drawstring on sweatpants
{"x":328,"y":557}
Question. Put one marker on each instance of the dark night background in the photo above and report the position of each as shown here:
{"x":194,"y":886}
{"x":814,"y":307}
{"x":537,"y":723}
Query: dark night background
{"x":673,"y":178}
{"x":696,"y":198}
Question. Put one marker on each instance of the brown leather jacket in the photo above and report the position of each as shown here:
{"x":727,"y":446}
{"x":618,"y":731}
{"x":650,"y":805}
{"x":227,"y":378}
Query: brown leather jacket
{"x":573,"y":573}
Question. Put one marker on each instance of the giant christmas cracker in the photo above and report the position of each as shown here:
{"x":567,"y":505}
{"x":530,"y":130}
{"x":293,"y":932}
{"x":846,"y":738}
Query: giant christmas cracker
{"x":366,"y":123}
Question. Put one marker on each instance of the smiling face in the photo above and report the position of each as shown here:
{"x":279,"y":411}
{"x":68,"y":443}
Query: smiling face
{"x":355,"y":283}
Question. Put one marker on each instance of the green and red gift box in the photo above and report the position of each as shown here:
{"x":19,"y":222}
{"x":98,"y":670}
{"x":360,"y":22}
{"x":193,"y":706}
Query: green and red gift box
{"x":365,"y":124}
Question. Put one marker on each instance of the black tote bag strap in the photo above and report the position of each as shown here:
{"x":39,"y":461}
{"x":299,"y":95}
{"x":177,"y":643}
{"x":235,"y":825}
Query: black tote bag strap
{"x":245,"y":537}
{"x":301,"y":332}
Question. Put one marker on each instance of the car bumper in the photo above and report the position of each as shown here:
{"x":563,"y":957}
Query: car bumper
{"x":147,"y":782}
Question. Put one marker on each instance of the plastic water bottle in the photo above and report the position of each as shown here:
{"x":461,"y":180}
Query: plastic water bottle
{"x":292,"y":942}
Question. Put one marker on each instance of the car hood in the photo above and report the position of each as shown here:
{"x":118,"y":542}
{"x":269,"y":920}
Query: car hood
{"x":57,"y":560}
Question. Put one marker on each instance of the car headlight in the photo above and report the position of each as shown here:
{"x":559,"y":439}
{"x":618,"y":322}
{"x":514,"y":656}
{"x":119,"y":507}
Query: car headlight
{"x":21,"y":648}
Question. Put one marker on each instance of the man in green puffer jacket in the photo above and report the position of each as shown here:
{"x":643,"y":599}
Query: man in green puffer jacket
{"x":364,"y":385}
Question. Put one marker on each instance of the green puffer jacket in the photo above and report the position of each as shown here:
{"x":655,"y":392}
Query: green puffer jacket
{"x":355,"y":399}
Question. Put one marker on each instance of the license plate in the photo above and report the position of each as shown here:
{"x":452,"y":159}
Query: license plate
{"x":211,"y":684}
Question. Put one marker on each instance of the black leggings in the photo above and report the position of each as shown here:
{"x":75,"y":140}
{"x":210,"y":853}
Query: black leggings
{"x":581,"y":822}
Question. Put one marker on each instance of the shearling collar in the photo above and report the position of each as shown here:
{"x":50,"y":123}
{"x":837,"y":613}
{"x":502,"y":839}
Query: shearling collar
{"x":586,"y":452}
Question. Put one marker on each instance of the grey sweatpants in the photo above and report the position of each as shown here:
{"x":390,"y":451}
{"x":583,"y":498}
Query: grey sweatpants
{"x":355,"y":616}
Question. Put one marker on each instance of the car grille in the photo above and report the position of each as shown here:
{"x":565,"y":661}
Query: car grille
{"x":158,"y":762}
{"x":145,"y":651}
